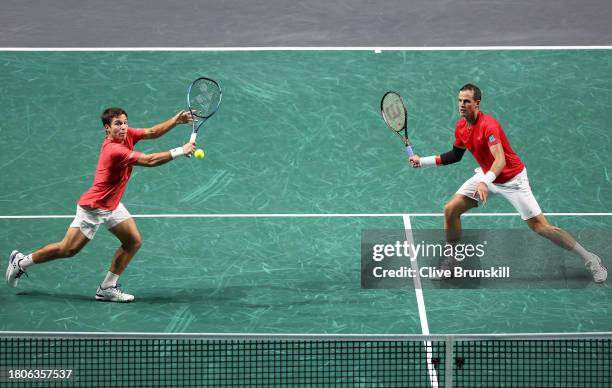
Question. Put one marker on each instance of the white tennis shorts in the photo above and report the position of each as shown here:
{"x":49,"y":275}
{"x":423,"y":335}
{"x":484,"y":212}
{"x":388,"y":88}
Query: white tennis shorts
{"x":89,"y":220}
{"x":517,"y":191}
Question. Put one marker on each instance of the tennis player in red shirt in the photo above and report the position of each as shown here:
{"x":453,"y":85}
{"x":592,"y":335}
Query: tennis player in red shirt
{"x":501,"y":172}
{"x":101,"y":204}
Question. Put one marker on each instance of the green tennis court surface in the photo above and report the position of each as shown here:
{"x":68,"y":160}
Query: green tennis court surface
{"x":273,"y":275}
{"x":298,"y":132}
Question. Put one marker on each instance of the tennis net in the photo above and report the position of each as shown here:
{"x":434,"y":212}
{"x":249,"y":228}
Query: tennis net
{"x":254,"y":360}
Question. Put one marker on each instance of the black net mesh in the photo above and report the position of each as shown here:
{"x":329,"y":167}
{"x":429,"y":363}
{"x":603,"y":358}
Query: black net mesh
{"x":220,"y":363}
{"x":243,"y":362}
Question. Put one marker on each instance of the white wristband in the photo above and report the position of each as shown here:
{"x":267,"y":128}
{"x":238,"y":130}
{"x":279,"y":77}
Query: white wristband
{"x":176,"y":152}
{"x":427,"y":161}
{"x":489,"y":177}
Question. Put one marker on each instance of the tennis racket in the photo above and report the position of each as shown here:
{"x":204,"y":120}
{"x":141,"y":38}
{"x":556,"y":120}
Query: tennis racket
{"x":395,"y":115}
{"x":203,"y":100}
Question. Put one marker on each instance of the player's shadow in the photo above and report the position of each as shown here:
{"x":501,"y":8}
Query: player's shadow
{"x":241,"y":296}
{"x":247,"y":296}
{"x":204,"y":295}
{"x":41,"y":296}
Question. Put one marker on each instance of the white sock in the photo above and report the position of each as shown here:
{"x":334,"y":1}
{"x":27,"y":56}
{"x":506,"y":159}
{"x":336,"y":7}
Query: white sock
{"x":110,"y":280}
{"x":26,"y":262}
{"x":581,"y":251}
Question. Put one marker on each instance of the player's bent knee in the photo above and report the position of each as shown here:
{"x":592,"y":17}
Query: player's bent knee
{"x":448,"y":208}
{"x":137,"y":244}
{"x":451,"y":209}
{"x":536,"y":227}
{"x":68,"y":251}
{"x":134,"y":244}
{"x":543,"y":229}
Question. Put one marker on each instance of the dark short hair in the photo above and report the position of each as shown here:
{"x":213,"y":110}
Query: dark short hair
{"x":475,"y":89}
{"x":110,"y":113}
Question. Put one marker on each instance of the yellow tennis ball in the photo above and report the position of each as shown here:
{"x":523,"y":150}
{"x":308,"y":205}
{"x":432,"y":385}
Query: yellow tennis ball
{"x":199,"y":153}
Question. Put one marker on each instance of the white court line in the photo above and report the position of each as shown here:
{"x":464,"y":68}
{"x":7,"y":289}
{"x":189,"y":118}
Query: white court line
{"x":308,"y":215}
{"x":304,"y":48}
{"x":433,"y":375}
{"x":310,"y":336}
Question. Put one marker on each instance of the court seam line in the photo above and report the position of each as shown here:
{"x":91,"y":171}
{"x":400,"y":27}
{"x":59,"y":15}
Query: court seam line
{"x":302,"y":48}
{"x":418,"y":290}
{"x":307,"y":215}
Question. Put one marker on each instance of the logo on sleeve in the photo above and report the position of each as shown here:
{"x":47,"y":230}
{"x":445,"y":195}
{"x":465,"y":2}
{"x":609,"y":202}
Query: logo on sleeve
{"x":491,"y":138}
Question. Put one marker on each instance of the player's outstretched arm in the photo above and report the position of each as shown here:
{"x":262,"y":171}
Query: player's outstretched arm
{"x":450,"y":157}
{"x":159,"y":158}
{"x":162,"y":128}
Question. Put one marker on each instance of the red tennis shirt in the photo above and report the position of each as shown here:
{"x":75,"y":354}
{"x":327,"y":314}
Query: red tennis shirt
{"x":113,"y":172}
{"x":477,"y":139}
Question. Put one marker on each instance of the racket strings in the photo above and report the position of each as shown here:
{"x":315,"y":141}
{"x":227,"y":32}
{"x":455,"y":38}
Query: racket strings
{"x":394,"y":112}
{"x":206,"y":98}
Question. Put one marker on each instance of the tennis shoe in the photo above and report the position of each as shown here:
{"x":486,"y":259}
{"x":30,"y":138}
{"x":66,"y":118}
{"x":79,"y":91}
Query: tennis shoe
{"x":597,"y":269}
{"x":113,"y":294}
{"x":14,"y":270}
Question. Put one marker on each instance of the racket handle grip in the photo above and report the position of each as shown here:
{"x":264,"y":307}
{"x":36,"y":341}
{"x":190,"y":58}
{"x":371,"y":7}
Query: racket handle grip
{"x":409,"y":151}
{"x":193,"y":137}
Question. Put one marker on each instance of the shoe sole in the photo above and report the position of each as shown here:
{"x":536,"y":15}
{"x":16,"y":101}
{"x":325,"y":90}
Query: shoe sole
{"x":104,"y":299}
{"x":8,"y":270}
